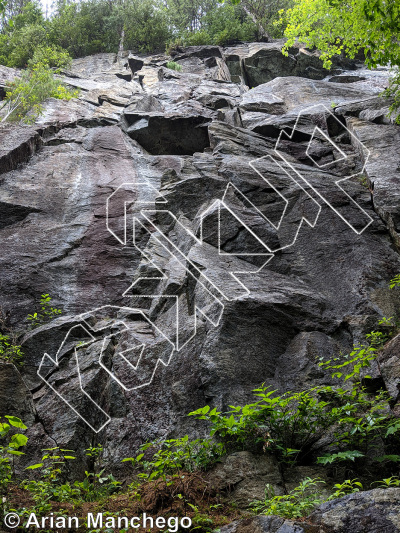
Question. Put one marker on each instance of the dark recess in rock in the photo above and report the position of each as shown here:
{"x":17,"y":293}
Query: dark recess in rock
{"x":178,"y":135}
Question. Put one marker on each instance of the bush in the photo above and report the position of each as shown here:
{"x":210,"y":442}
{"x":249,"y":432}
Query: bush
{"x":46,"y":311}
{"x":169,"y":457}
{"x":10,"y":444}
{"x":227,"y":24}
{"x":21,"y":35}
{"x":174,"y":66}
{"x":146,"y":26}
{"x":198,"y":38}
{"x":9,"y":351}
{"x":298,"y":503}
{"x":25,"y":95}
{"x":53,"y":57}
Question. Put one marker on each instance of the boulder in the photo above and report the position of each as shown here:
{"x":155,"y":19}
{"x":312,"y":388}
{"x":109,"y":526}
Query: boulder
{"x":371,"y":511}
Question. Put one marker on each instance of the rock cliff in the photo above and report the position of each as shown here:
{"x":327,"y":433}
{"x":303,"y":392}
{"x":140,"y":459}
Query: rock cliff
{"x":203,"y":230}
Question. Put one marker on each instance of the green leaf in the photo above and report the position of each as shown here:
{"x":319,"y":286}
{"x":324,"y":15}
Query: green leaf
{"x":16,"y":422}
{"x":34,"y":467}
{"x":19,"y":440}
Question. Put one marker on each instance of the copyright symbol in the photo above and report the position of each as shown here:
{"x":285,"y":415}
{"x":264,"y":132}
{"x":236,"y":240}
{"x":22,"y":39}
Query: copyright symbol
{"x":11,"y":520}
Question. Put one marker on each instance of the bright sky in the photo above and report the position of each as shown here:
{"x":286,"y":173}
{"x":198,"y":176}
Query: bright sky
{"x":47,"y":3}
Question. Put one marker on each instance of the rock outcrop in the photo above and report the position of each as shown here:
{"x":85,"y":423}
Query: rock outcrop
{"x":201,"y":236}
{"x":371,"y":511}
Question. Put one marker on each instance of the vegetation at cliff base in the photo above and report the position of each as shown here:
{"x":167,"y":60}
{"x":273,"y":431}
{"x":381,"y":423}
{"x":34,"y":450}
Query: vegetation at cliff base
{"x":348,"y":424}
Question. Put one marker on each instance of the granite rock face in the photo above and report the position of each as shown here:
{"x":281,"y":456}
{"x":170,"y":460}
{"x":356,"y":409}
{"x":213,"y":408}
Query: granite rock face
{"x":371,"y":511}
{"x":201,"y":237}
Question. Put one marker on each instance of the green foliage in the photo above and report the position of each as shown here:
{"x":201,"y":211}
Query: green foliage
{"x":371,"y":27}
{"x":173,"y":45}
{"x":334,"y":27}
{"x":10,"y":444}
{"x":286,"y":425}
{"x":174,"y":66}
{"x":303,"y":499}
{"x":354,"y":362}
{"x":349,"y":486}
{"x":290,"y":425}
{"x":267,"y":15}
{"x":353,"y":422}
{"x":21,"y":35}
{"x":9,"y":352}
{"x":392,"y":481}
{"x":53,"y":487}
{"x":217,"y":23}
{"x":299,"y":502}
{"x":23,"y":43}
{"x":395,"y":282}
{"x":227,"y":24}
{"x":201,"y":521}
{"x":169,"y":457}
{"x":146,"y":26}
{"x":96,"y":484}
{"x":85,"y":28}
{"x":45,"y":314}
{"x":53,"y":462}
{"x":52,"y":57}
{"x":50,"y":486}
{"x":348,"y":455}
{"x":24,"y":99}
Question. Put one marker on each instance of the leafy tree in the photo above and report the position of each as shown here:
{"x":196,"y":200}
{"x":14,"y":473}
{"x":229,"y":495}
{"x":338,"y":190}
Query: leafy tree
{"x":219,"y":24}
{"x":227,"y":24}
{"x":188,"y":15}
{"x":10,"y":9}
{"x":265,"y":15}
{"x":332,"y":26}
{"x":145,"y":24}
{"x":85,"y":28}
{"x":21,"y":35}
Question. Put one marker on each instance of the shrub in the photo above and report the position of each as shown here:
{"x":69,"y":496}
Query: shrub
{"x":53,"y":57}
{"x":96,"y":484}
{"x":46,"y":312}
{"x":25,"y":95}
{"x":145,"y":25}
{"x":174,"y":66}
{"x":298,"y":503}
{"x":198,"y":38}
{"x":10,"y":444}
{"x":10,"y":352}
{"x":23,"y":43}
{"x":171,"y":456}
{"x":303,"y":499}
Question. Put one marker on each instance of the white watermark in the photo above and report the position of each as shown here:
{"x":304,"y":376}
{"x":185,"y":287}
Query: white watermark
{"x":98,"y":521}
